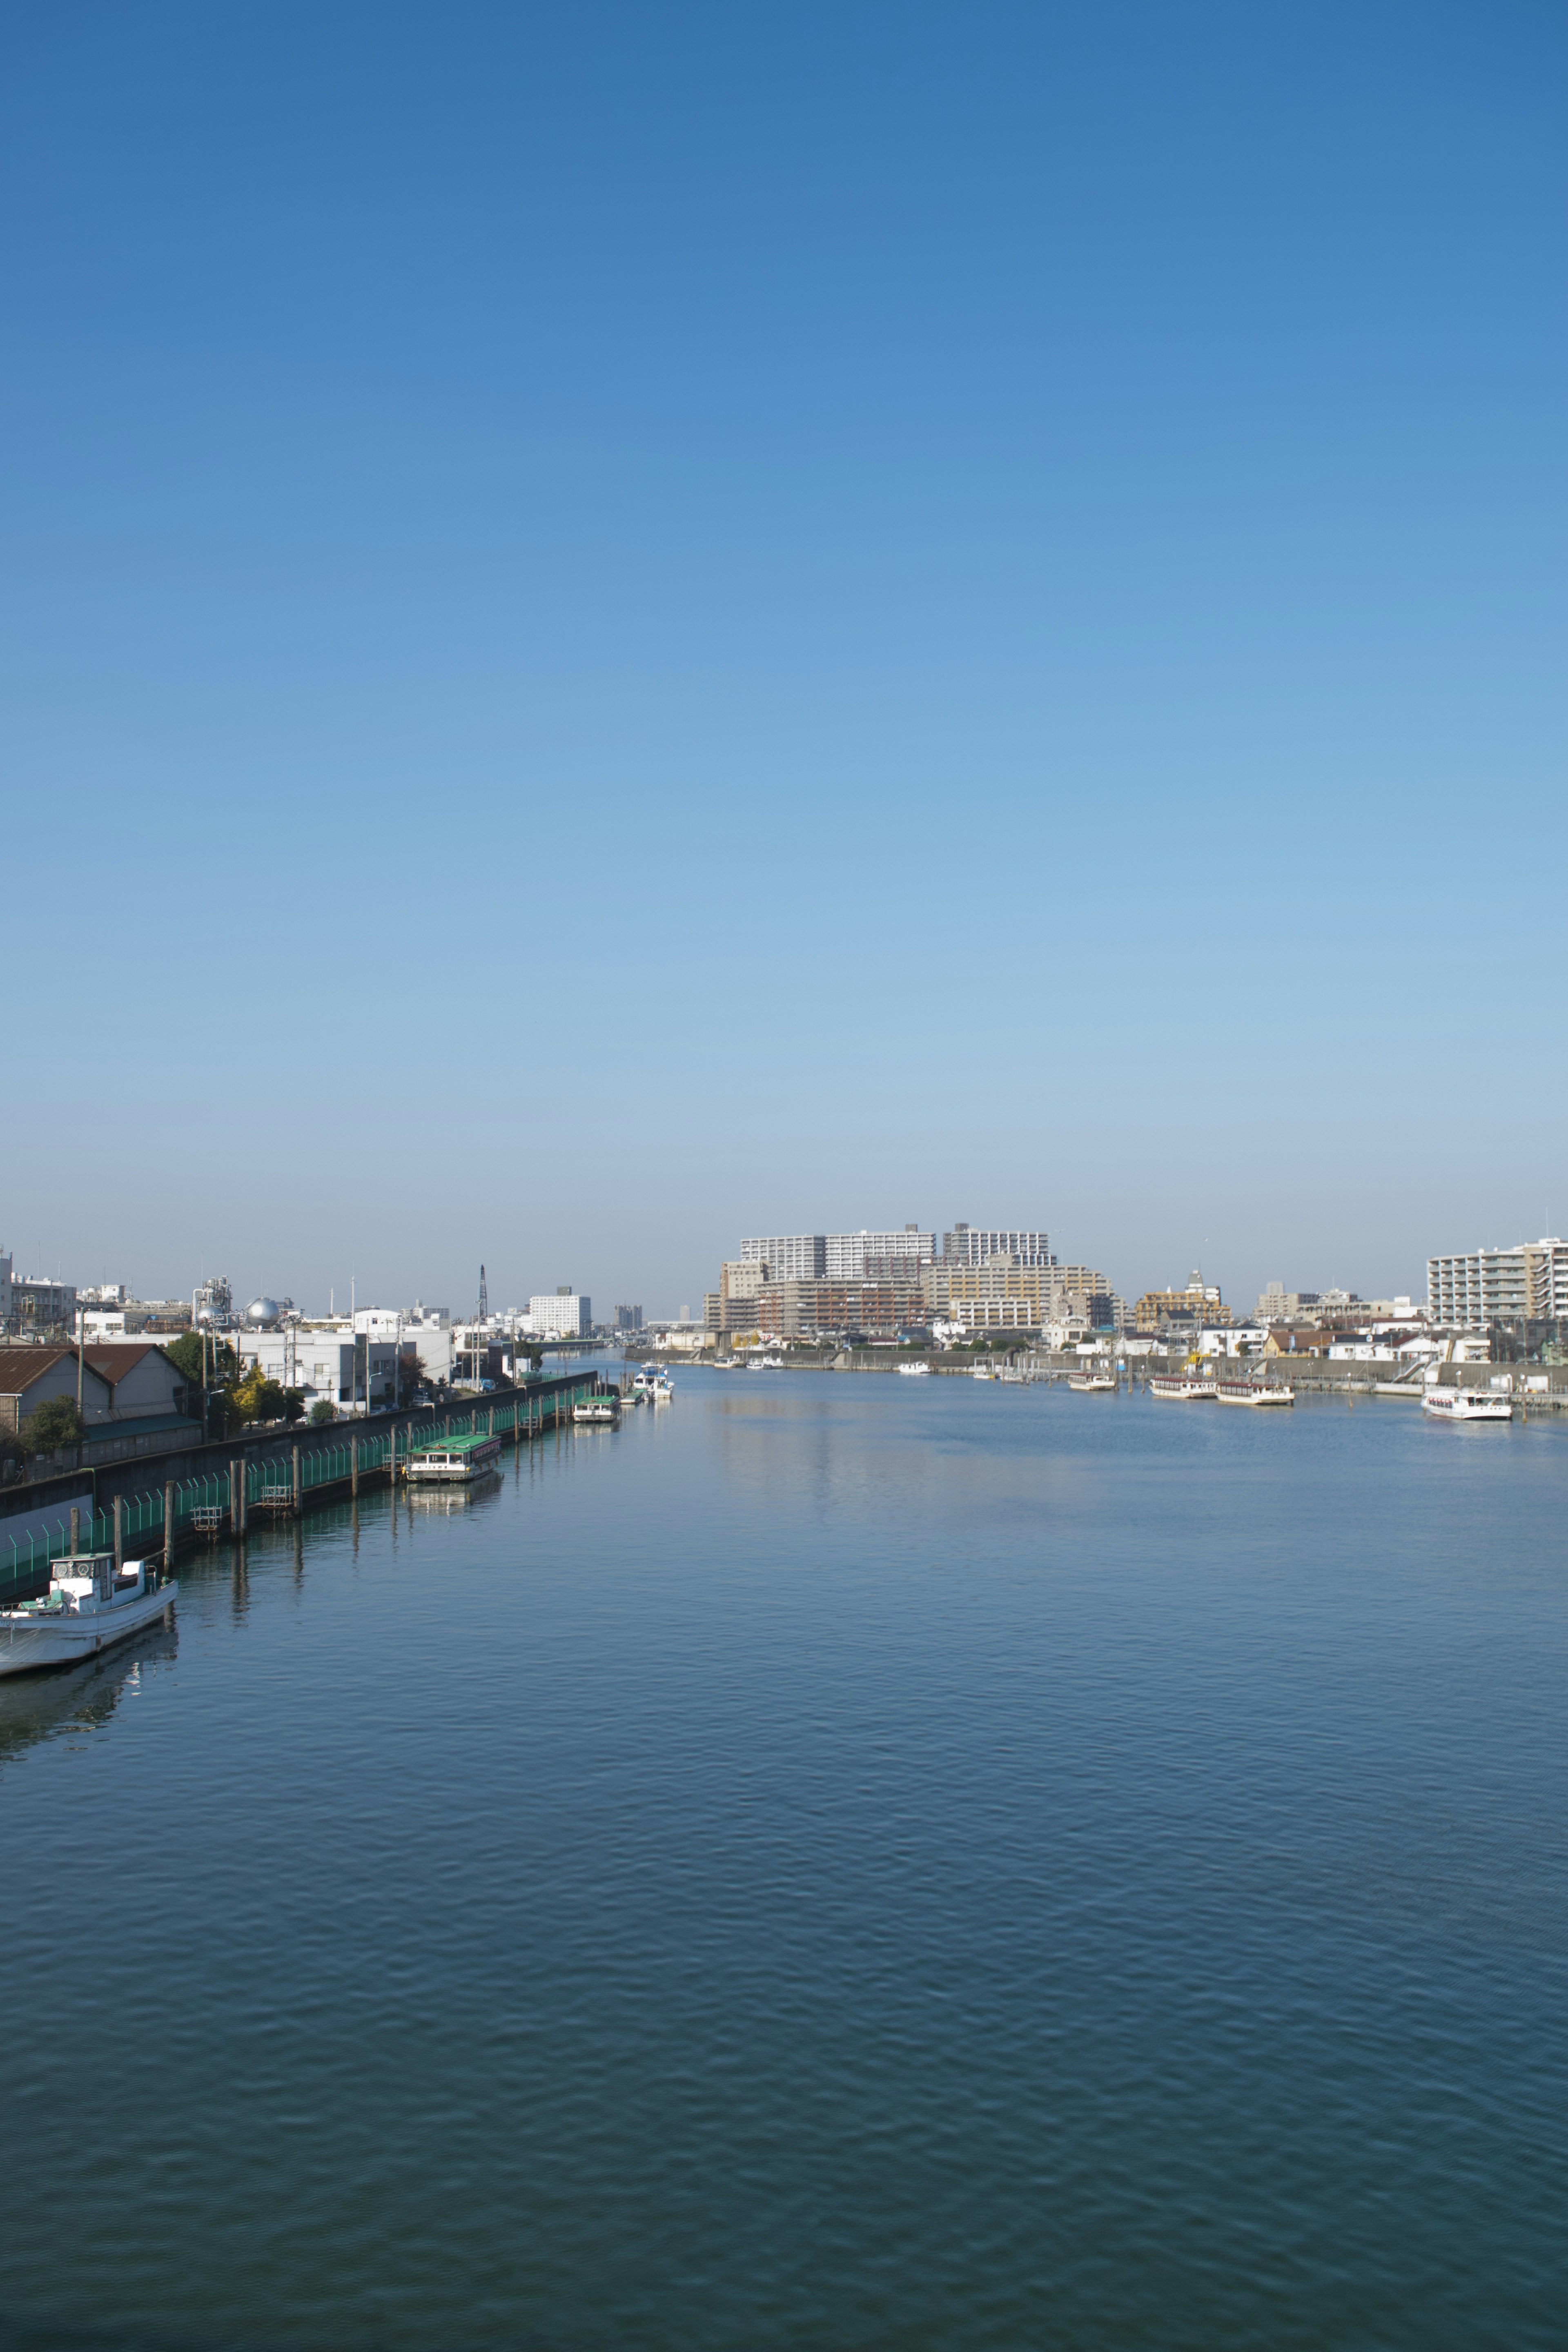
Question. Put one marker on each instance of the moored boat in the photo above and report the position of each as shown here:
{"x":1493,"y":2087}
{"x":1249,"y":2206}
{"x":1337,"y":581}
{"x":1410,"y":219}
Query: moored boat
{"x":1184,"y":1388}
{"x":1091,"y":1383}
{"x":1466,"y":1404}
{"x":1252,"y":1393}
{"x":602,"y":1409}
{"x":452,"y":1461}
{"x":915,"y":1372}
{"x":91,"y":1605}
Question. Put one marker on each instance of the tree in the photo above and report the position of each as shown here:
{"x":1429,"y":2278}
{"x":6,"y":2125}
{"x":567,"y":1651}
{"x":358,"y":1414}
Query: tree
{"x":56,"y":1423}
{"x":187,"y":1351}
{"x":257,"y":1397}
{"x":293,"y":1405}
{"x":321,"y":1412}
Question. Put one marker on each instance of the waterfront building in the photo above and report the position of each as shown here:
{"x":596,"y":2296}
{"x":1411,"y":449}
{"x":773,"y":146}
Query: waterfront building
{"x":1526,"y":1283}
{"x":973,"y":1245}
{"x":563,"y":1314}
{"x":628,"y":1319}
{"x":800,"y":1309}
{"x":1199,"y":1302}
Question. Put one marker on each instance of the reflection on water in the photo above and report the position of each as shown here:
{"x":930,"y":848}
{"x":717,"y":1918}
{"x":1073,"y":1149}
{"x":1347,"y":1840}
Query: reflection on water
{"x":59,"y":1699}
{"x":852,"y":1863}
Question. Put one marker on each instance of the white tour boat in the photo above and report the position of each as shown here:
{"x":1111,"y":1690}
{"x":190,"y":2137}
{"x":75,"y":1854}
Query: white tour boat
{"x":1091,"y":1383}
{"x":915,"y":1372}
{"x":769,"y":1363}
{"x":91,"y":1605}
{"x":1185,"y":1388}
{"x":1466,"y":1404}
{"x":1252,"y":1393}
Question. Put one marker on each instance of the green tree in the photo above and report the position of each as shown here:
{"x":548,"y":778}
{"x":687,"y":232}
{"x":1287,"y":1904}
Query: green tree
{"x":321,"y":1412}
{"x":221,"y":1362}
{"x":56,"y":1423}
{"x":256,"y":1398}
{"x":293,"y":1405}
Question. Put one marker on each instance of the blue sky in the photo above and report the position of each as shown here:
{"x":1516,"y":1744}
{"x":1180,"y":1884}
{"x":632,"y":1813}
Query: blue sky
{"x":623,"y":626}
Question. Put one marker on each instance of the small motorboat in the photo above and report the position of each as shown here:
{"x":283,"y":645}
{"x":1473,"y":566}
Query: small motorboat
{"x":89,"y":1606}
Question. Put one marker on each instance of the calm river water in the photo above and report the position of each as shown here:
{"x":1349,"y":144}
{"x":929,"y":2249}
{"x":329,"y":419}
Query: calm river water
{"x":840,"y":1862}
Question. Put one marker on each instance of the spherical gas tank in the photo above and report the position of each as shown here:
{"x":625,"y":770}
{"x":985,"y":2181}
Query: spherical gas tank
{"x":261,"y":1314}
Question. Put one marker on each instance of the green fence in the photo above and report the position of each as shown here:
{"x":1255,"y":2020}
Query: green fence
{"x":24,"y":1561}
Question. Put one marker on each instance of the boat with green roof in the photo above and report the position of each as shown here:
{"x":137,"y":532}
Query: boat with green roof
{"x":446,"y":1461}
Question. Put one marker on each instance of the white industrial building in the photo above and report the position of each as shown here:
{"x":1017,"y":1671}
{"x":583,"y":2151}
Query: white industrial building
{"x":1526,"y":1283}
{"x":325,"y":1361}
{"x":563,"y":1314}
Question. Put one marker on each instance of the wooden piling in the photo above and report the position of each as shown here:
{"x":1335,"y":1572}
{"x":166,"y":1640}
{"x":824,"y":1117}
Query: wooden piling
{"x":353,"y":1465}
{"x":118,"y":1537}
{"x":75,"y":1530}
{"x":234,"y":1487}
{"x":299,"y":1484}
{"x":168,"y":1526}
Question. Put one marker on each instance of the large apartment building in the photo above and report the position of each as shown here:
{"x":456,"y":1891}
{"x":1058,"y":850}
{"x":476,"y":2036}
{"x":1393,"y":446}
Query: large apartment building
{"x":973,"y":1244}
{"x":1525,"y":1284}
{"x":1022,"y":1298}
{"x":1199,"y":1302}
{"x":834,"y":1257}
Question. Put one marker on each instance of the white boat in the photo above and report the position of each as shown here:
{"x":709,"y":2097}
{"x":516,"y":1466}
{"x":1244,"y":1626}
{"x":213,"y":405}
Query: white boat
{"x":915,"y":1372}
{"x":1091,"y":1383}
{"x":1466,"y":1404}
{"x":91,"y":1606}
{"x":452,"y":1461}
{"x":982,"y":1372}
{"x":1252,"y":1393}
{"x":663,"y":1389}
{"x":769,"y":1363}
{"x":1184,"y":1388}
{"x":598,"y":1410}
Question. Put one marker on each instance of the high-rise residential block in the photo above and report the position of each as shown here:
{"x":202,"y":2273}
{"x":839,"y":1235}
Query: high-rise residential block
{"x":1526,"y":1283}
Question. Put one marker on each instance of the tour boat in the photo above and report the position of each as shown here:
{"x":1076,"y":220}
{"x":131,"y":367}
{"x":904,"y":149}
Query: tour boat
{"x":1091,"y":1383}
{"x":1185,"y":1387}
{"x":915,"y":1372}
{"x":91,"y":1605}
{"x":769,"y":1363}
{"x":452,"y":1460}
{"x":1252,"y":1393}
{"x":1466,"y":1404}
{"x":600,"y":1409}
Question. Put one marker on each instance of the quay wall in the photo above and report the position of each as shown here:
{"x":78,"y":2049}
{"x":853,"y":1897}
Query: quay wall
{"x":314,"y":1464}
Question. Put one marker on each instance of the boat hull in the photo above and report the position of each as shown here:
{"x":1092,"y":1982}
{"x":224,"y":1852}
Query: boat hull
{"x":1457,"y":1404}
{"x":29,"y":1643}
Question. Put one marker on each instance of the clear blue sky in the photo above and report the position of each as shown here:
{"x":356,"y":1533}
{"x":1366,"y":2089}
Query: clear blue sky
{"x":626,"y":626}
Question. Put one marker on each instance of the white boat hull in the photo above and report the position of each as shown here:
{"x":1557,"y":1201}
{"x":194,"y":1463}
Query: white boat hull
{"x":29,"y":1643}
{"x":1466,"y":1404}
